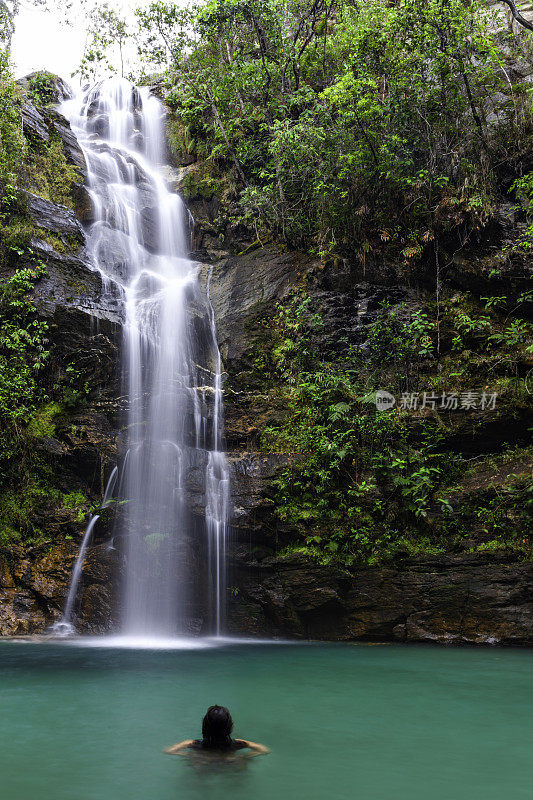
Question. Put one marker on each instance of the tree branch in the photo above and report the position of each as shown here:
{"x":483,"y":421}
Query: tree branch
{"x":517,"y":15}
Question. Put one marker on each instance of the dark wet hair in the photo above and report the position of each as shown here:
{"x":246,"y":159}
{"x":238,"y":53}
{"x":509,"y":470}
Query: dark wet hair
{"x":217,"y":726}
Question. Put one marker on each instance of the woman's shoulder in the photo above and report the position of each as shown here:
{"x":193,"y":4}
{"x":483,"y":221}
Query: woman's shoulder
{"x":239,"y":744}
{"x":197,"y":744}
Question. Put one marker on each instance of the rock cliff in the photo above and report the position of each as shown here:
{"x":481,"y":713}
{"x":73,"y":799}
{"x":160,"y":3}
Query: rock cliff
{"x":449,"y":599}
{"x":460,"y":597}
{"x":72,"y":447}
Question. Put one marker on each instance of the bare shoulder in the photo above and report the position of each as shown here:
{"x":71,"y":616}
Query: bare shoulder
{"x":256,"y":746}
{"x":176,"y":749}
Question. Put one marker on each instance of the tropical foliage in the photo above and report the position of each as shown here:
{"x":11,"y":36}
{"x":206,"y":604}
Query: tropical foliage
{"x":361,"y":483}
{"x":343,"y":123}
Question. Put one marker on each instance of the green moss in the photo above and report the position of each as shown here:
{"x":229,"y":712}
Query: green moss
{"x":49,"y":173}
{"x":43,"y":424}
{"x":61,"y":244}
{"x":418,"y":546}
{"x":181,"y":143}
{"x":194,"y":186}
{"x":8,"y":536}
{"x":493,"y":546}
{"x":306,"y":552}
{"x":74,"y":499}
{"x":23,"y":511}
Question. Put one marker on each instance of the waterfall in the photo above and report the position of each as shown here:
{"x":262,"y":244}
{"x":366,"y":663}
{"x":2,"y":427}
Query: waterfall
{"x":65,"y":626}
{"x":111,"y":483}
{"x":138,"y":239}
{"x":217,"y":488}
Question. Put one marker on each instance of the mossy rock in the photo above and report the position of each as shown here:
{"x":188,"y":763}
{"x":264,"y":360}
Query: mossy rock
{"x":43,"y":424}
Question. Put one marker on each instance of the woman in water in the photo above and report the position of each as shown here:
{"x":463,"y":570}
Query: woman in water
{"x":217,"y":726}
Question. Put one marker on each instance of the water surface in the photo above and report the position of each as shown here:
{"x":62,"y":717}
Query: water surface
{"x":343,"y":722}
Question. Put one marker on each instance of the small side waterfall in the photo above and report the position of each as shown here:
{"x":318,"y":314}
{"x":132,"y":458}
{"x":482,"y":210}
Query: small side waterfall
{"x":109,"y":489}
{"x":139,"y":239}
{"x":65,"y":626}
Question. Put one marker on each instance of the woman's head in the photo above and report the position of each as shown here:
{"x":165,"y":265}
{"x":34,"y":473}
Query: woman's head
{"x":217,"y":725}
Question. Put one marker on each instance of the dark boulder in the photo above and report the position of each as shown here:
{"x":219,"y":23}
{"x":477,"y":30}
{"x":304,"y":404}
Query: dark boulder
{"x":71,"y":147}
{"x":33,"y":123}
{"x":57,"y":90}
{"x":54,"y":218}
{"x":69,"y":282}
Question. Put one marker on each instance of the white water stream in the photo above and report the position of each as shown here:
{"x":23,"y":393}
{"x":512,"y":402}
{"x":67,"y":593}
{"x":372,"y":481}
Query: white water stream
{"x":139,"y":239}
{"x":65,"y":626}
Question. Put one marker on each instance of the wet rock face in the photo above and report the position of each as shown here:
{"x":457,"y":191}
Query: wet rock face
{"x":33,"y":123}
{"x":71,"y":147}
{"x":449,"y":600}
{"x":70,"y":281}
{"x":99,"y":600}
{"x":34,"y":587}
{"x":251,"y":476}
{"x":43,"y":124}
{"x":243,"y":286}
{"x":80,"y":450}
{"x":55,"y":218}
{"x":39,"y":124}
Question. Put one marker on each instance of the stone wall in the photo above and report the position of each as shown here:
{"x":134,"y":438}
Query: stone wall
{"x":448,"y":599}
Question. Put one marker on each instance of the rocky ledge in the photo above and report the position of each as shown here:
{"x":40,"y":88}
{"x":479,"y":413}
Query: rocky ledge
{"x":34,"y":583}
{"x":469,"y":599}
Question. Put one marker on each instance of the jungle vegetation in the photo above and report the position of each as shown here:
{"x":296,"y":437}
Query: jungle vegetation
{"x":376,"y":133}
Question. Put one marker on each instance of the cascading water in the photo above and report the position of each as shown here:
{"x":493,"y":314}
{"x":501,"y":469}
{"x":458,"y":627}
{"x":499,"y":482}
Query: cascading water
{"x":109,"y":489}
{"x":65,"y":626}
{"x":138,"y":239}
{"x":217,"y":488}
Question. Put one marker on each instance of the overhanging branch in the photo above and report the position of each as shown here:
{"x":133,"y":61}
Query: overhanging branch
{"x":518,"y":16}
